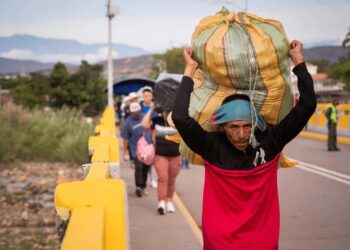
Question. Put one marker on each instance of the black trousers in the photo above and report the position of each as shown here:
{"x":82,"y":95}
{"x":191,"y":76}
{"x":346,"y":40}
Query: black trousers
{"x":141,"y":173}
{"x":332,"y":135}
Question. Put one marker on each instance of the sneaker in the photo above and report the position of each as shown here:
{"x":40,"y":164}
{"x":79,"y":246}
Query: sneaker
{"x":154,"y":184}
{"x":170,"y":208}
{"x":138,"y":192}
{"x":145,"y":192}
{"x":161,"y":207}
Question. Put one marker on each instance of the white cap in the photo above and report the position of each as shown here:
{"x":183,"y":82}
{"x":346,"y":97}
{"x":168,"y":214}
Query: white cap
{"x":135,"y":107}
{"x":147,"y":88}
{"x":126,"y":98}
{"x":133,"y":95}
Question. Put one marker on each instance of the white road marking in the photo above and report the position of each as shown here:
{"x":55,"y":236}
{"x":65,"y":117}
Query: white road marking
{"x":324,"y":174}
{"x":325,"y":170}
{"x":343,"y":178}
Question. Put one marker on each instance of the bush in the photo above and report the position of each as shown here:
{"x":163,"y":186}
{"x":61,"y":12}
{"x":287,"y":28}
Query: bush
{"x":43,"y":135}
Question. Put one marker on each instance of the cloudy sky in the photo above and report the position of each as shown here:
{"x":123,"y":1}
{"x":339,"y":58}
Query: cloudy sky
{"x":155,"y":25}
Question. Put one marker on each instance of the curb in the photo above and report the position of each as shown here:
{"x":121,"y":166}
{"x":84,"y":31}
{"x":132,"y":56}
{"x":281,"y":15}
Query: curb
{"x":323,"y":137}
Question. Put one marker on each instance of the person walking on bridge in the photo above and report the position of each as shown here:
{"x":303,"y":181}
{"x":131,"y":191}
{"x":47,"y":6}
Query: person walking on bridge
{"x":332,"y":121}
{"x":240,"y":197}
{"x":167,"y":161}
{"x":132,"y":132}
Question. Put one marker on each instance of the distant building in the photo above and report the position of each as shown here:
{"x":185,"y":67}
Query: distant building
{"x":9,"y":76}
{"x":326,"y":88}
{"x":5,"y":96}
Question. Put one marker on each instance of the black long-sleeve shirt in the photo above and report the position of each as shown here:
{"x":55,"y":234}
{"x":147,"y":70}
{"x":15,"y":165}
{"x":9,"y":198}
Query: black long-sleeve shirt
{"x":215,"y":148}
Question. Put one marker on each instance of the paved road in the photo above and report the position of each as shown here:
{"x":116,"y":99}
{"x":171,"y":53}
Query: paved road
{"x":315,"y":210}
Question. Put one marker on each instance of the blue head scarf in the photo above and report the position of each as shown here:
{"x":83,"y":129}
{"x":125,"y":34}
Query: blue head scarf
{"x":239,"y":110}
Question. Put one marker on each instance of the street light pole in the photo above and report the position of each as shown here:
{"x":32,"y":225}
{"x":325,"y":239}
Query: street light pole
{"x":111,"y":12}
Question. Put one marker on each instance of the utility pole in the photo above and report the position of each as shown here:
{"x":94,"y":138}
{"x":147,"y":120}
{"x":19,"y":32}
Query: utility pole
{"x":112,"y":10}
{"x":246,"y":5}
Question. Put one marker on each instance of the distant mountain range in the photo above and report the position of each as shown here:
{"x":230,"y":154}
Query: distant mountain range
{"x":26,"y":53}
{"x":139,"y":66}
{"x":328,"y":53}
{"x":68,"y":51}
{"x":15,"y":66}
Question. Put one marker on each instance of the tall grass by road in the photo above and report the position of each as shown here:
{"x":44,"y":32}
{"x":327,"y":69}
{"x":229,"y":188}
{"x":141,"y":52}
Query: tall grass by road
{"x":39,"y":135}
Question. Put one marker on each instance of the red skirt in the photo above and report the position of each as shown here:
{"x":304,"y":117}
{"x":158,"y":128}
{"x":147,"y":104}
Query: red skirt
{"x":241,"y":208}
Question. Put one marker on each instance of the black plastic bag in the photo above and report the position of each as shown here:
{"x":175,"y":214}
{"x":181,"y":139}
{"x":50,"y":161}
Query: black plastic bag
{"x":164,"y":94}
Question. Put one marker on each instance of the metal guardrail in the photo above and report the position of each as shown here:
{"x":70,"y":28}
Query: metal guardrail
{"x":94,"y":211}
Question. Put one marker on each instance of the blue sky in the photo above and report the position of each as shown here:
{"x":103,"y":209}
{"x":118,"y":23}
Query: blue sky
{"x":159,"y":24}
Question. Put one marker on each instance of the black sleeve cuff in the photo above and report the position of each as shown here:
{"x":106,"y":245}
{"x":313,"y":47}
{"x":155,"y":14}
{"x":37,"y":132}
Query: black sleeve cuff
{"x":301,"y":67}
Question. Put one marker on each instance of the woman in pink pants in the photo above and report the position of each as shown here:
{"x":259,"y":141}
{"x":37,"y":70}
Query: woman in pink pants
{"x":167,"y":160}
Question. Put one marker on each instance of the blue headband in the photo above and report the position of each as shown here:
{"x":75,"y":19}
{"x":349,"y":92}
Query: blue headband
{"x":238,"y":110}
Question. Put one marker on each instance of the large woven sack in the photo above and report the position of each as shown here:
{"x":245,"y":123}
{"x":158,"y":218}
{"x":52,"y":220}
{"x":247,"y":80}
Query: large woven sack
{"x":239,"y":53}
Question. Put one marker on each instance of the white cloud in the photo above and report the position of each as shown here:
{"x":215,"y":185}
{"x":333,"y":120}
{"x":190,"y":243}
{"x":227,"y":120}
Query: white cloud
{"x":18,"y":54}
{"x":100,"y":55}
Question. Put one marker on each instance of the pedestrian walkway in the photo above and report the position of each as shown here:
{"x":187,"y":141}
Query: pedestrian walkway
{"x":148,"y":229}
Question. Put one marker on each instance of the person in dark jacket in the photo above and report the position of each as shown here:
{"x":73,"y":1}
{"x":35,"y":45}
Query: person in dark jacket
{"x":240,"y":199}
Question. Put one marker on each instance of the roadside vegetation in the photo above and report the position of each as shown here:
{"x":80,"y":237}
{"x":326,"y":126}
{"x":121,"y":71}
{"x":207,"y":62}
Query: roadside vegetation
{"x":37,"y":135}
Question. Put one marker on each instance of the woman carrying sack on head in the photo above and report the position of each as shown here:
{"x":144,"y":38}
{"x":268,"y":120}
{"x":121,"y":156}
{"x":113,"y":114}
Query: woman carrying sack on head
{"x":167,"y":160}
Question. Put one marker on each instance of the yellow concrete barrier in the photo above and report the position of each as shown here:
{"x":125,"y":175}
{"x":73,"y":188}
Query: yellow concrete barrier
{"x":323,"y":137}
{"x":98,"y":171}
{"x":107,"y":195}
{"x":318,"y":119}
{"x":107,"y":121}
{"x":96,"y":208}
{"x":101,"y":153}
{"x":113,"y":146}
{"x":89,"y":223}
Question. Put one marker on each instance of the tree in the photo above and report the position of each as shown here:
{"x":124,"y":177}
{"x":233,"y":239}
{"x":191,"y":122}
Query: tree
{"x":32,"y":92}
{"x":341,"y":71}
{"x":85,"y":89}
{"x":57,"y":82}
{"x":11,"y":83}
{"x":346,"y":42}
{"x":171,"y":60}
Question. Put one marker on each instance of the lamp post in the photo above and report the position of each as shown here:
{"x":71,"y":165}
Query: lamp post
{"x":112,"y":10}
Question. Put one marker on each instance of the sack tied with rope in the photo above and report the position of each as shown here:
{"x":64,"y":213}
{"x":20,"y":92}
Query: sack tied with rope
{"x":239,"y":53}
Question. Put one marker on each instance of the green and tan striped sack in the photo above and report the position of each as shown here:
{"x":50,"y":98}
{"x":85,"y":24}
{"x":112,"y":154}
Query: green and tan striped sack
{"x":239,"y":53}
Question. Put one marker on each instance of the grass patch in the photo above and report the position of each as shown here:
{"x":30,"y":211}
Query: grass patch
{"x":39,"y":135}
